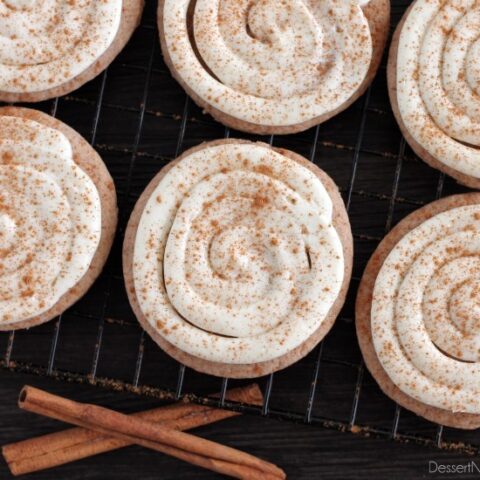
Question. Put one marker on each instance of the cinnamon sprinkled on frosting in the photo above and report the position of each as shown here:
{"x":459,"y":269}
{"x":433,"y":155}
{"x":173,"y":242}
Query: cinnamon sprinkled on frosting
{"x":238,"y":262}
{"x":270,"y":62}
{"x":50,"y":219}
{"x":438,"y":80}
{"x":426,"y":311}
{"x":43,"y":44}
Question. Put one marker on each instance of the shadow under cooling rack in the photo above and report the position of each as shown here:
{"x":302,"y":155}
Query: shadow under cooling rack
{"x":139,"y":119}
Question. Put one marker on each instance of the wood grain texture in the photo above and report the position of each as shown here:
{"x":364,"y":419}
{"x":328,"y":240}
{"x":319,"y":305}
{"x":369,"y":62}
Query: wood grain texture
{"x":379,"y":177}
{"x":315,"y":453}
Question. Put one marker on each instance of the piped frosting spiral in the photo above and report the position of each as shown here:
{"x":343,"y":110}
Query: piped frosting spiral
{"x":269,"y":62}
{"x":438,"y":81}
{"x":425,"y":315}
{"x":50,"y":219}
{"x":44,"y":44}
{"x":235,"y":256}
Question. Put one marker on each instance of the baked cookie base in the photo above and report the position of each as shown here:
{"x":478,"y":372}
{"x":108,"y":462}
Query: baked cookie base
{"x":378,"y":16}
{"x":91,"y":163}
{"x":363,"y":315}
{"x":462,"y":178}
{"x":342,"y":225}
{"x":131,"y":15}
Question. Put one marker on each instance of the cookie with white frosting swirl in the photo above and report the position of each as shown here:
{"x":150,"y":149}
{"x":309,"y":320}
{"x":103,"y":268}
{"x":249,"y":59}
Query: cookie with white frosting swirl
{"x":434,"y":85}
{"x":273,"y":66}
{"x":418,"y":314}
{"x":237,"y":258}
{"x":51,"y":47}
{"x":57,"y":217}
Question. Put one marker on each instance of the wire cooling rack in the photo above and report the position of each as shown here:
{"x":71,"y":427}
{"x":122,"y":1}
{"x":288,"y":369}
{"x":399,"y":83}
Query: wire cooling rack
{"x":139,"y":119}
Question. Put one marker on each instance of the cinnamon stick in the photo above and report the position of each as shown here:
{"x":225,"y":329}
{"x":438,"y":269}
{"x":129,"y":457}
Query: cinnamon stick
{"x":58,"y":448}
{"x":195,"y":450}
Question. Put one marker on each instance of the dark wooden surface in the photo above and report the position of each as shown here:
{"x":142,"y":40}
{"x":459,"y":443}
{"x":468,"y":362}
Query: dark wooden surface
{"x":304,"y":452}
{"x":138,"y":118}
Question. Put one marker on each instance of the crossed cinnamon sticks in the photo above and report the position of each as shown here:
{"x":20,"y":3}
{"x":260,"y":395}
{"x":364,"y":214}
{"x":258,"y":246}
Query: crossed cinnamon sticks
{"x":160,"y":429}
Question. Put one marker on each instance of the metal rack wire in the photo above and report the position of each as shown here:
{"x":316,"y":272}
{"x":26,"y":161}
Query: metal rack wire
{"x":373,"y":176}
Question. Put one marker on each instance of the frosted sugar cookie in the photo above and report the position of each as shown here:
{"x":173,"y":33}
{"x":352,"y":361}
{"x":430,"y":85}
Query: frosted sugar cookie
{"x":237,"y":258}
{"x":58,"y":216}
{"x":273,"y":66}
{"x":418,"y":315}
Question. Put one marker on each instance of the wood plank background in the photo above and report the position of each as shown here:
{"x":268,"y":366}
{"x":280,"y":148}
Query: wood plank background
{"x":305,"y":452}
{"x":139,"y":119}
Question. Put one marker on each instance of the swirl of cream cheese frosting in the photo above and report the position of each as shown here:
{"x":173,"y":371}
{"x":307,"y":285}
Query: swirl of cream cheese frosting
{"x":438,"y":80}
{"x":235,"y":257}
{"x":425,"y":314}
{"x":270,"y":62}
{"x":44,"y":44}
{"x":50,"y":219}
